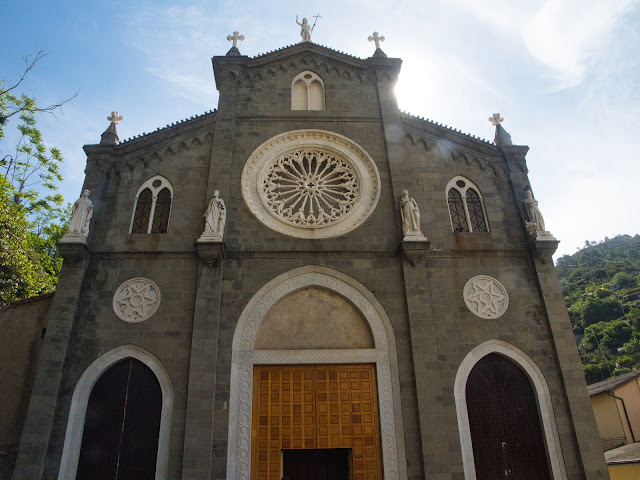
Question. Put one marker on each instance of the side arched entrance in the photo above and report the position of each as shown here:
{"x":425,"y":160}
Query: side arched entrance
{"x":314,"y":378}
{"x":506,"y":418}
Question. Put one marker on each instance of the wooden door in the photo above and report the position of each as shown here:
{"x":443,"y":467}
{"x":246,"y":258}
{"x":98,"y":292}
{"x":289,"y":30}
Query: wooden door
{"x":122,"y":425}
{"x":315,"y":407}
{"x":505,"y":426}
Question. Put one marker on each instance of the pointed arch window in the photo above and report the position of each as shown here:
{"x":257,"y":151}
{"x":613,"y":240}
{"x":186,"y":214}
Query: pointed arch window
{"x":152,"y":207}
{"x":466,"y":207}
{"x":307,"y":92}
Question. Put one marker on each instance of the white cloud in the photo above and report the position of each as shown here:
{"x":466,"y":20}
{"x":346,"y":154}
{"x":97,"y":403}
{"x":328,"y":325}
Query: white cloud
{"x":568,"y":36}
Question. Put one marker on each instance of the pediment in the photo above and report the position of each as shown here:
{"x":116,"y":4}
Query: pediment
{"x":298,"y":57}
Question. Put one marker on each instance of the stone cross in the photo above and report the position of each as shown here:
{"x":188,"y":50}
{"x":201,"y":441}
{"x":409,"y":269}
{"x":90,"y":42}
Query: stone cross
{"x":234,"y":38}
{"x":376,"y":38}
{"x":496,"y":119}
{"x":114,"y":118}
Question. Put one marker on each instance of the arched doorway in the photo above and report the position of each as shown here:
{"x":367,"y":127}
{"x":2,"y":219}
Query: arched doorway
{"x":252,"y":349}
{"x":81,"y":398}
{"x":122,"y":424}
{"x":543,"y":405}
{"x":505,"y":426}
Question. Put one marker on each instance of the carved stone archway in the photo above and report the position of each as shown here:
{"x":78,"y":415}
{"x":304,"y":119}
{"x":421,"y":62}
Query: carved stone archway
{"x":541,"y":390}
{"x":244,"y":357}
{"x":80,"y":399}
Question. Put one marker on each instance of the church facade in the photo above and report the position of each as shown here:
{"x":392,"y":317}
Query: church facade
{"x":308,"y":280}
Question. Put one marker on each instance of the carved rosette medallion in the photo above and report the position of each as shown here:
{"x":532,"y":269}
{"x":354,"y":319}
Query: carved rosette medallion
{"x":136,"y":300}
{"x":486,"y":297}
{"x":311,"y":184}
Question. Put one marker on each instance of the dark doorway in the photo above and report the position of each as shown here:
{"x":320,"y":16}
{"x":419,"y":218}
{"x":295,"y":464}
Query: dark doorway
{"x":505,"y":425}
{"x":320,"y":464}
{"x":122,"y":424}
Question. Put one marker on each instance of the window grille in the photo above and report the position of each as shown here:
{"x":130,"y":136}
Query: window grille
{"x":152,"y":207}
{"x":466,"y":207}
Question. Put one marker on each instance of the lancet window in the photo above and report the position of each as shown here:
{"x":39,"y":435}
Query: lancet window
{"x":307,"y":92}
{"x":466,"y":207}
{"x":152,"y":207}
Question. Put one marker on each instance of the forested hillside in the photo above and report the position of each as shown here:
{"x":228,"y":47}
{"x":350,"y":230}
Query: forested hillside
{"x":601,"y":286}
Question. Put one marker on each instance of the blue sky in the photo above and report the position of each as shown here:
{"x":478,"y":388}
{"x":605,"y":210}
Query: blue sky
{"x":565,"y":75}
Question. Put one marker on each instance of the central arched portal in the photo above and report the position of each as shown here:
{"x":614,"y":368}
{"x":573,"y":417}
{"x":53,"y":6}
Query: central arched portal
{"x":314,"y":382}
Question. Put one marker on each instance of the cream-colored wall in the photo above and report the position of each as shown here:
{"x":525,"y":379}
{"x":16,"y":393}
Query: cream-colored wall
{"x":625,"y":472}
{"x":630,"y":392}
{"x":312,"y":319}
{"x":607,"y":418}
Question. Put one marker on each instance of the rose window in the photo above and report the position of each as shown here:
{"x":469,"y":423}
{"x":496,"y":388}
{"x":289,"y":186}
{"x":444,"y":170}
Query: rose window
{"x":310,"y":188}
{"x":310,"y":184}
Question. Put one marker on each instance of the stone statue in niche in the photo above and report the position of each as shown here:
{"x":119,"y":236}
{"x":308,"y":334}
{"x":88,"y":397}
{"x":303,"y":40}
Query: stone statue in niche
{"x":215,"y":218}
{"x":80,"y":217}
{"x":410,"y":217}
{"x":305,"y":29}
{"x":536,"y":222}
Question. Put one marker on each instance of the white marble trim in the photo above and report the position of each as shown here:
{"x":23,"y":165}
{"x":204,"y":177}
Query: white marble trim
{"x":244,"y":357}
{"x":545,"y":406}
{"x":78,"y":410}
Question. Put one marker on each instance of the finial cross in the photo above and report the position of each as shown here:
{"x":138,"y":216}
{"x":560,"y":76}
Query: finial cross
{"x":234,"y":38}
{"x":376,"y":37}
{"x":496,"y":119}
{"x":115,"y":118}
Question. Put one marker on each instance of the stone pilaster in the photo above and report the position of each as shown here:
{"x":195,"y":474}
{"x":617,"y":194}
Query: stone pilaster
{"x":44,"y":397}
{"x":386,"y":72}
{"x":567,"y":357}
{"x":198,"y":440}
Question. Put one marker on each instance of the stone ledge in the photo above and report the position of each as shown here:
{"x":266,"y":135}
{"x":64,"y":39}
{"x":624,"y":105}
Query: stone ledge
{"x":211,"y":253}
{"x":415,"y":250}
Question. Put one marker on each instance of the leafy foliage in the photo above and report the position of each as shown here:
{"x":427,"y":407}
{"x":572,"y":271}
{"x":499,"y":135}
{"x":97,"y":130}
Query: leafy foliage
{"x":32,"y":212}
{"x":601,"y":285}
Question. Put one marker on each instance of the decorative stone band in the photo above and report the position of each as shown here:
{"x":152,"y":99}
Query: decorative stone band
{"x":136,"y":300}
{"x":486,"y":297}
{"x":311,"y":184}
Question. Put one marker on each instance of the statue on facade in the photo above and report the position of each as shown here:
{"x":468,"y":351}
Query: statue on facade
{"x":305,"y":29}
{"x":81,"y":214}
{"x":410,"y":216}
{"x":215,"y":218}
{"x":536,"y":222}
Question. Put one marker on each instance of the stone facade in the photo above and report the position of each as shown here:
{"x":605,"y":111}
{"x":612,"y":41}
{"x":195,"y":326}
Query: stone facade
{"x":417,"y":289}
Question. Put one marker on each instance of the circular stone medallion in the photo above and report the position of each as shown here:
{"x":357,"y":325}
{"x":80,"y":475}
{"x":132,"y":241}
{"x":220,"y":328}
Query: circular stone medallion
{"x":486,"y":297}
{"x":136,"y":300}
{"x":311,"y":184}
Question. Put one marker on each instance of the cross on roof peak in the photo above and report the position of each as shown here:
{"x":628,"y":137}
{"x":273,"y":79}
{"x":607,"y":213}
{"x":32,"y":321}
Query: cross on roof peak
{"x":496,"y":119}
{"x":234,"y":38}
{"x":115,"y":118}
{"x":376,"y":37}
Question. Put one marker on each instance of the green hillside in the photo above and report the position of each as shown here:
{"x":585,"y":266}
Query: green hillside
{"x":601,"y":286}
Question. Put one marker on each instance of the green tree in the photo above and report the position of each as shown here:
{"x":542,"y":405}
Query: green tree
{"x":32,"y":212}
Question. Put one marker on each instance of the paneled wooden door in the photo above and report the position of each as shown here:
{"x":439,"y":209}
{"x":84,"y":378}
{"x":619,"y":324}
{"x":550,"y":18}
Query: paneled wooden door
{"x":315,"y":407}
{"x":506,"y":431}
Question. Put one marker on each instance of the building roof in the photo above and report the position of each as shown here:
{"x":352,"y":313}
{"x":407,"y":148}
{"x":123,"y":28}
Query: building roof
{"x":624,"y":454}
{"x":609,"y":385}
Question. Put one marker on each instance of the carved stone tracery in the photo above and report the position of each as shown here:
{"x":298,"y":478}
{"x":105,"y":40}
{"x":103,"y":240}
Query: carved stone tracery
{"x":310,"y":188}
{"x":136,"y":300}
{"x":486,"y":297}
{"x":310,"y":184}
